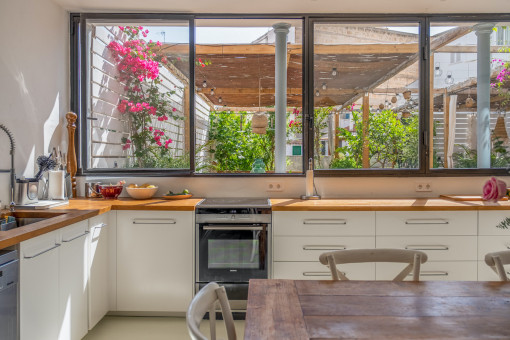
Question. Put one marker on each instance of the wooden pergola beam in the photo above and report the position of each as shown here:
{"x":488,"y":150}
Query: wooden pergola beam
{"x":466,"y":49}
{"x":440,"y":41}
{"x":402,"y":48}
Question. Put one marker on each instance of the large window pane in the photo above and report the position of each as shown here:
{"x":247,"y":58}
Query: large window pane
{"x":366,"y":95}
{"x":235,"y":92}
{"x":138,"y":109}
{"x":469,"y":95}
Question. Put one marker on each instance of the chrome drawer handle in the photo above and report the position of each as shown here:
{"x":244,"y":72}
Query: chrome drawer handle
{"x":326,"y":221}
{"x":44,"y":251}
{"x":427,"y":221}
{"x":233,"y":227}
{"x":427,"y":247}
{"x":102,"y":225}
{"x":324,"y":247}
{"x":431,"y":273}
{"x":154,"y":221}
{"x":317,"y":273}
{"x":74,"y":238}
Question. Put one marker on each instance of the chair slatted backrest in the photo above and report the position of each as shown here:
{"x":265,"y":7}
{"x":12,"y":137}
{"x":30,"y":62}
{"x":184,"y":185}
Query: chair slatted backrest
{"x":497,"y":261}
{"x":205,"y":301}
{"x":413,"y":258}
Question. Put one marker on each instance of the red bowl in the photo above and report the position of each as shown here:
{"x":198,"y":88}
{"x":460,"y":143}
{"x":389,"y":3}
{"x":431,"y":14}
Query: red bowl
{"x":110,"y":192}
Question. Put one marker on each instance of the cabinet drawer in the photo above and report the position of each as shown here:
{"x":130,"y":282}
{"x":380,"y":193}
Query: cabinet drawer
{"x":490,"y":244}
{"x":437,"y":248}
{"x":488,"y":220}
{"x":317,"y":271}
{"x":432,"y":271}
{"x":426,"y":223}
{"x":288,"y":248}
{"x":485,"y":273}
{"x":324,"y":223}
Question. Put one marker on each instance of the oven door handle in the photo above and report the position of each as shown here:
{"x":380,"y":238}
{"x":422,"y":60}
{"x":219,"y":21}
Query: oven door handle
{"x":230,"y":227}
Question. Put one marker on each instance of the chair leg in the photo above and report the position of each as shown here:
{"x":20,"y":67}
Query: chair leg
{"x":332,"y":268}
{"x":500,"y":269}
{"x":212,"y":320}
{"x":416,"y":267}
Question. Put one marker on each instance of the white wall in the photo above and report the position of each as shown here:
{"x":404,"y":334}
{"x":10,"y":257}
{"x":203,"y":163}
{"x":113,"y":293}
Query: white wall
{"x":34,"y":81}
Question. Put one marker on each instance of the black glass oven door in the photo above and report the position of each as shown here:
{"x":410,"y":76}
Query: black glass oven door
{"x":232,"y":253}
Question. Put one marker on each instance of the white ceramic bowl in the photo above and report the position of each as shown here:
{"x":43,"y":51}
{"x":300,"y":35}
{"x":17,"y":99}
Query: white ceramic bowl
{"x":141,"y":193}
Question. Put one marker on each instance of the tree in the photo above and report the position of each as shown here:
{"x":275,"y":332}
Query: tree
{"x":392,"y":142}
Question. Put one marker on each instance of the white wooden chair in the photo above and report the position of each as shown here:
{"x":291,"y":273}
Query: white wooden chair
{"x":496,"y":261}
{"x":206,"y":301}
{"x":413,"y":258}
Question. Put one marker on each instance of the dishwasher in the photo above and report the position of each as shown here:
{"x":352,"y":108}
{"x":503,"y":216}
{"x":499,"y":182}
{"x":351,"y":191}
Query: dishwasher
{"x":9,"y":267}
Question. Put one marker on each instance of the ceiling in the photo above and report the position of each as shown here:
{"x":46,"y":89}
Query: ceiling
{"x":287,"y":6}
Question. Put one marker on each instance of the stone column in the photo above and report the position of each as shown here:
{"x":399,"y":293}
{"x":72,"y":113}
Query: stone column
{"x":281,"y":30}
{"x":483,"y":74}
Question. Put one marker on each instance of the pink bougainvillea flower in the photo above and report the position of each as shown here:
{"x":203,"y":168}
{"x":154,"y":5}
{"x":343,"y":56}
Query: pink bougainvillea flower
{"x":494,"y":189}
{"x":174,"y":109}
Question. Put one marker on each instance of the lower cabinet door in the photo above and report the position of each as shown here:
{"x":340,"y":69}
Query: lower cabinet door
{"x":98,"y":268}
{"x":73,"y":282}
{"x":317,"y":271}
{"x":154,"y":261}
{"x":432,"y":271}
{"x":39,"y":292}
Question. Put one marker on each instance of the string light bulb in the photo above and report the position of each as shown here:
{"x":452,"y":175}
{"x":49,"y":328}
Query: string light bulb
{"x":317,"y":93}
{"x":449,"y":79}
{"x":204,"y":84}
{"x":324,"y":86}
{"x":334,"y":72}
{"x":220,"y":99}
{"x":212,"y":92}
{"x":437,"y":70}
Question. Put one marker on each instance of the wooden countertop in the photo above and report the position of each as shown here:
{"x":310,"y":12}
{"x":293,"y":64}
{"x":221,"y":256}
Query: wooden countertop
{"x":81,"y":208}
{"x":390,"y":204}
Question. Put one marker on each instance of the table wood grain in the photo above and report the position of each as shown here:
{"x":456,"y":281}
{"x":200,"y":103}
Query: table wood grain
{"x":288,"y":309}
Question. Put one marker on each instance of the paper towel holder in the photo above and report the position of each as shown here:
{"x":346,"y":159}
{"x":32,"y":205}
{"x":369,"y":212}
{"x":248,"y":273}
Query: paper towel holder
{"x":309,"y":172}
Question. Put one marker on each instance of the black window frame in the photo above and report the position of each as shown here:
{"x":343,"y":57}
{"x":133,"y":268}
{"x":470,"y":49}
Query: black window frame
{"x":78,"y":93}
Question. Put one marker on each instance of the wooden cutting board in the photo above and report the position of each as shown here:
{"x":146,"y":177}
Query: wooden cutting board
{"x":467,"y":198}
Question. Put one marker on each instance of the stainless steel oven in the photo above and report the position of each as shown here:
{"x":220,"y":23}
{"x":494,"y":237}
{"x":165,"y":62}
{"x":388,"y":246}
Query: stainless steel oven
{"x":232,"y":244}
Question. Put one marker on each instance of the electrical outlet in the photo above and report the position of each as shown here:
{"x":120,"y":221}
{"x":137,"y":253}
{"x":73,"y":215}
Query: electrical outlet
{"x":274,"y":186}
{"x":423,"y":187}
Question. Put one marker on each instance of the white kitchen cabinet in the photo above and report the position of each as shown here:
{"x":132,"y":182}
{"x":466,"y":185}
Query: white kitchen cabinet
{"x":426,"y":223}
{"x":432,"y":271}
{"x":98,"y":264}
{"x":317,"y":271}
{"x":323,"y":223}
{"x":73,"y":275}
{"x":489,"y":219}
{"x":39,"y":287}
{"x":301,"y":236}
{"x":154,"y":260}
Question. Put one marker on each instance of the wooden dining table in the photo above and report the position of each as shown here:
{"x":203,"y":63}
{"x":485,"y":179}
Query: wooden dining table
{"x":303,"y":309}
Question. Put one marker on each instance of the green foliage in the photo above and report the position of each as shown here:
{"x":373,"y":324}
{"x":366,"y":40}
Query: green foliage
{"x":467,"y":158}
{"x":392,"y":142}
{"x":234,"y":147}
{"x":504,"y":224}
